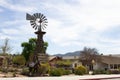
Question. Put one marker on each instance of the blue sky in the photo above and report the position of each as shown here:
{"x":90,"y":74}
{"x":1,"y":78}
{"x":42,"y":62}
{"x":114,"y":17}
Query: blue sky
{"x":72,"y":24}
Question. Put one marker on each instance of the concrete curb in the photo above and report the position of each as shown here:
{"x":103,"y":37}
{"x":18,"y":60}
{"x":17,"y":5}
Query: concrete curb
{"x":101,"y":78}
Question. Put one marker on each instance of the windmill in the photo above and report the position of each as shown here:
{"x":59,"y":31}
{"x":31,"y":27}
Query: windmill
{"x":39,"y":22}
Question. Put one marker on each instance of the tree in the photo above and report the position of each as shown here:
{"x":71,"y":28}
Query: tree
{"x":5,"y":48}
{"x":29,"y":47}
{"x":88,"y":55}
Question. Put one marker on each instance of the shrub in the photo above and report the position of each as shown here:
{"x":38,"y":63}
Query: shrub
{"x":100,"y":72}
{"x":116,"y":71}
{"x":44,"y":68}
{"x":66,"y":72}
{"x":80,"y":70}
{"x":19,"y":60}
{"x":59,"y":72}
{"x":65,"y":63}
{"x":55,"y":72}
{"x":25,"y":71}
{"x":14,"y":74}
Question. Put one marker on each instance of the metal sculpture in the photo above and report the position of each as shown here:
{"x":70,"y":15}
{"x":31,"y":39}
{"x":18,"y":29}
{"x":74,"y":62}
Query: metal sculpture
{"x":39,"y":22}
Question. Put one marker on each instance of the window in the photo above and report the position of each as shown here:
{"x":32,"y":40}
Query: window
{"x":115,"y":66}
{"x":111,"y":66}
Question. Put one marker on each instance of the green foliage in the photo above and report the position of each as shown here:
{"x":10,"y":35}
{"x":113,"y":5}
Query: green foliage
{"x":63,"y":63}
{"x":59,"y":72}
{"x":19,"y":60}
{"x":55,"y":72}
{"x":119,"y":68}
{"x":44,"y":68}
{"x":45,"y":46}
{"x":28,"y":47}
{"x":80,"y":70}
{"x":66,"y":72}
{"x":116,"y":71}
{"x":100,"y":72}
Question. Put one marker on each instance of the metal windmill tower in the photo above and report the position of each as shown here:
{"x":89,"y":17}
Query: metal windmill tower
{"x":39,"y":22}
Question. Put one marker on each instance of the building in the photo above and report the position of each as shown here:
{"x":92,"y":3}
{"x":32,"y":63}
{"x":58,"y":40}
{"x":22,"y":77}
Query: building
{"x":108,"y":63}
{"x":73,"y":59}
{"x":53,"y":60}
{"x":104,"y":62}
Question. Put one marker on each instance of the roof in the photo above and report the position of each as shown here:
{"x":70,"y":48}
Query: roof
{"x":116,"y":55}
{"x":70,"y":57}
{"x":110,"y":60}
{"x":52,"y":58}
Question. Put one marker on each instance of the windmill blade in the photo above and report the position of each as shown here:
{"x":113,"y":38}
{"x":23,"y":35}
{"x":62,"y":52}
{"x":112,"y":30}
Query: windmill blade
{"x":29,"y":17}
{"x":45,"y":24}
{"x":35,"y":15}
{"x":38,"y":15}
{"x":32,"y":21}
{"x":42,"y":28}
{"x":41,"y":16}
{"x":34,"y":25}
{"x":44,"y":19}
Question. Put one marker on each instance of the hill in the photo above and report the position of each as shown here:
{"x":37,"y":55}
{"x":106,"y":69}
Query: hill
{"x":76,"y":53}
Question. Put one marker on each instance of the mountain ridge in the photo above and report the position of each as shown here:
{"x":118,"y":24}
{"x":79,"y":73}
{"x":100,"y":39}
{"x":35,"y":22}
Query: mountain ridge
{"x":75,"y":53}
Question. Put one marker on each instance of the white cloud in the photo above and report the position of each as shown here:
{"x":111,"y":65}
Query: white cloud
{"x":98,"y":15}
{"x":16,"y":7}
{"x":3,"y":36}
{"x":89,"y":19}
{"x":77,"y":24}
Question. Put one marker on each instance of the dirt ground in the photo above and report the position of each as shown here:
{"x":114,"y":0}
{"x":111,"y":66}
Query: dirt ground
{"x":9,"y":74}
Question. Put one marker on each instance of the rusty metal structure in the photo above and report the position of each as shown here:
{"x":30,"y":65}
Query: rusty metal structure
{"x":39,"y":22}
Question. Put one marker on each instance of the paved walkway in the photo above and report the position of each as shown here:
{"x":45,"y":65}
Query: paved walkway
{"x":85,"y":77}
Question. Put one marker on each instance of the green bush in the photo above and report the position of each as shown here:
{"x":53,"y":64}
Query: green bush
{"x":65,"y":63}
{"x":19,"y":60}
{"x":55,"y":72}
{"x":116,"y":71}
{"x":44,"y":68}
{"x":59,"y":72}
{"x":100,"y":72}
{"x":66,"y":72}
{"x":80,"y":70}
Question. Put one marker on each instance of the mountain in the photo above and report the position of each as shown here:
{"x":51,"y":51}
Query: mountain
{"x":76,"y":53}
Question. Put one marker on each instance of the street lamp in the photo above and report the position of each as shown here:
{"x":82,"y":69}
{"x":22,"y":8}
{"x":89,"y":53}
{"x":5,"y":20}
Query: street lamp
{"x":93,"y":62}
